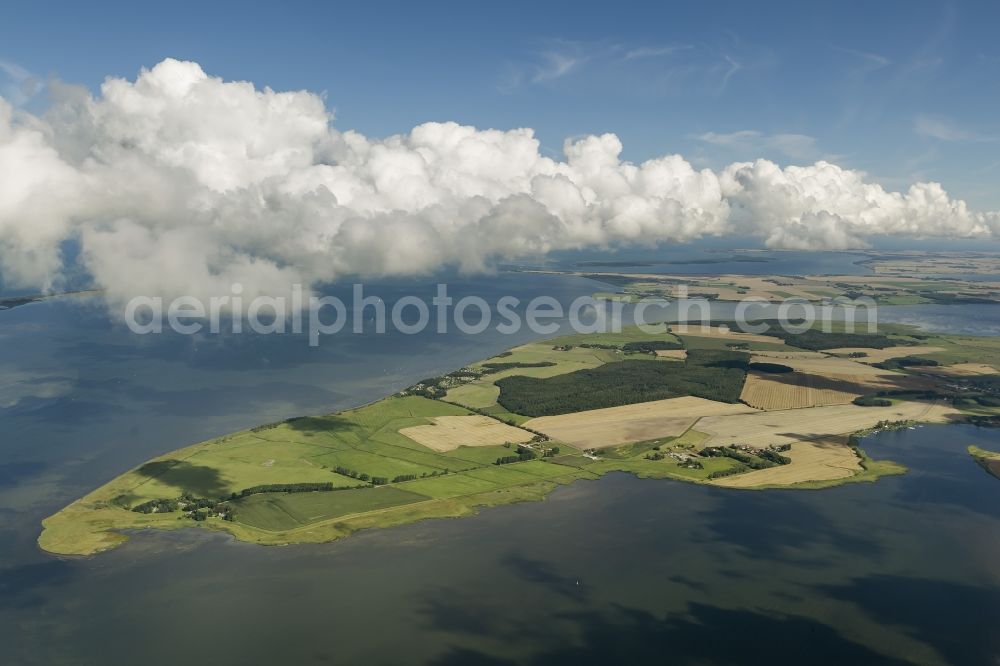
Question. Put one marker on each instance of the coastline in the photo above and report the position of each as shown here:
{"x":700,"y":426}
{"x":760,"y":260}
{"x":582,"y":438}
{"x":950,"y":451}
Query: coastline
{"x":416,"y":483}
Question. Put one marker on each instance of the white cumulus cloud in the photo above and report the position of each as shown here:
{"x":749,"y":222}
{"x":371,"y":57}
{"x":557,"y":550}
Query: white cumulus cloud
{"x":182,"y":183}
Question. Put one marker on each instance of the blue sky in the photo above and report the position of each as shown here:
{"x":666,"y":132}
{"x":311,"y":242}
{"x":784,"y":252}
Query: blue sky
{"x":902,"y":90}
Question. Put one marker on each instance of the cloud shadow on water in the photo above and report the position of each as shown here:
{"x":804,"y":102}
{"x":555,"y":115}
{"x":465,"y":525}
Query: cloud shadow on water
{"x":769,"y":525}
{"x":956,"y":619}
{"x":706,"y":635}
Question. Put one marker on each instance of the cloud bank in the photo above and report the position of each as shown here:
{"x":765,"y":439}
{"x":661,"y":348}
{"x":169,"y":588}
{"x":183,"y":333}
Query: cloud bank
{"x":182,"y":183}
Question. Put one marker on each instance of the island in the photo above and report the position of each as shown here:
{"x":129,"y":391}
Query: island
{"x":700,"y":404}
{"x":988,"y":460}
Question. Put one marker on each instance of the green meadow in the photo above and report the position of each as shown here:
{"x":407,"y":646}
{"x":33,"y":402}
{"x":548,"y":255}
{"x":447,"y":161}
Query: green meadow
{"x":364,"y":441}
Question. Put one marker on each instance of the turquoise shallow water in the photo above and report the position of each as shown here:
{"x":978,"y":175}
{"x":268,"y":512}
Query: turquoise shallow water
{"x":613,"y":571}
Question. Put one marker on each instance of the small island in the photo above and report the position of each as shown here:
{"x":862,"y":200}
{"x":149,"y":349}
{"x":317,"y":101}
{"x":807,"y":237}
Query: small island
{"x":988,"y":460}
{"x":700,"y":404}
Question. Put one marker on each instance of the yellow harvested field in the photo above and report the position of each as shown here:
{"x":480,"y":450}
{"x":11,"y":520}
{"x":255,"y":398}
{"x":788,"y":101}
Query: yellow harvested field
{"x":870,"y":383}
{"x":447,"y":433}
{"x":788,"y":354}
{"x":722,"y":332}
{"x":766,"y":287}
{"x":796,"y":425}
{"x":826,"y":366}
{"x":840,"y":374}
{"x":816,"y":460}
{"x":879,"y":355}
{"x":614,"y":426}
{"x":794,"y":390}
{"x":677,"y":354}
{"x":962,"y":370}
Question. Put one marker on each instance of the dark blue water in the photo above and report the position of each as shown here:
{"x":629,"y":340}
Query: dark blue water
{"x":613,"y":571}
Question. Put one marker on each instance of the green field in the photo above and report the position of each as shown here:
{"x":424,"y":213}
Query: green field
{"x":308,"y":450}
{"x":704,"y":342}
{"x":962,"y":349}
{"x":280,"y":511}
{"x":475,"y":395}
{"x":627,"y":334}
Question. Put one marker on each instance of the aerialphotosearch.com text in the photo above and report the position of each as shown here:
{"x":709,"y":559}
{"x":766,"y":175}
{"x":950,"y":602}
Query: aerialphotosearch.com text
{"x":367,"y":313}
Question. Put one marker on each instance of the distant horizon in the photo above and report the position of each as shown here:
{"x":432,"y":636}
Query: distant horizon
{"x":637,"y":253}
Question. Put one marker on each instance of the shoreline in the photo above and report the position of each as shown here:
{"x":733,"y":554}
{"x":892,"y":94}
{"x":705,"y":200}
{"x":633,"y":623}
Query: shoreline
{"x":418,"y":483}
{"x":76,"y":531}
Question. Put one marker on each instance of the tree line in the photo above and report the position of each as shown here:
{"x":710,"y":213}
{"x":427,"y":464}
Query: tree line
{"x":523,"y":454}
{"x":759,"y":459}
{"x":382,"y":480}
{"x":651,"y":346}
